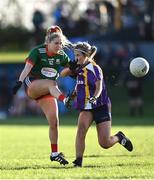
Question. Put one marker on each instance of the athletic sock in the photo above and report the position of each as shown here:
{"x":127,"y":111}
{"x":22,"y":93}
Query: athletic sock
{"x":78,"y":161}
{"x":53,"y":154}
{"x":119,"y":136}
{"x":54,"y":149}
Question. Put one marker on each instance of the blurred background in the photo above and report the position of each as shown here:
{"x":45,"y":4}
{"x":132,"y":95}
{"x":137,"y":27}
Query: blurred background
{"x":121,"y":30}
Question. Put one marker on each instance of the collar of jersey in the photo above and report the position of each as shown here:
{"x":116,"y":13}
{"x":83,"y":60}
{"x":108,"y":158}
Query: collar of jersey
{"x":49,"y":53}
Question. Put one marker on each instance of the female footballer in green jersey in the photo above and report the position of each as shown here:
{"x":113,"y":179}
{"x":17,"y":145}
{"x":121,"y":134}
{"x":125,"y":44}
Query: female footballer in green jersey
{"x":39,"y":77}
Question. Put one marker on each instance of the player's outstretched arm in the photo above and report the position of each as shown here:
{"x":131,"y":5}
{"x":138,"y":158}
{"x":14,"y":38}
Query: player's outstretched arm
{"x":66,"y":72}
{"x":25,"y":71}
{"x":23,"y":75}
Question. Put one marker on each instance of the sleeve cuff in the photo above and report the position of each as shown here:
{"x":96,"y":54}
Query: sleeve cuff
{"x":29,"y":61}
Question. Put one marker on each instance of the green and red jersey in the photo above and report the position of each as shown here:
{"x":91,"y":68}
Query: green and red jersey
{"x":46,"y":65}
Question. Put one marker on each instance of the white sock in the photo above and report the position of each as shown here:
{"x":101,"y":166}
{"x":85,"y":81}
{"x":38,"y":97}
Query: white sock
{"x":54,"y":154}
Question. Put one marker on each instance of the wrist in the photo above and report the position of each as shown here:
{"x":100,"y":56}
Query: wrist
{"x":19,"y":81}
{"x":71,"y":69}
{"x":95,"y":97}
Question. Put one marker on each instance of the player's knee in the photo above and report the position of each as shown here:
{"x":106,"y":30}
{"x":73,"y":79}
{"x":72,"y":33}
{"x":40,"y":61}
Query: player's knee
{"x":104,"y":144}
{"x":53,"y":125}
{"x":30,"y":93}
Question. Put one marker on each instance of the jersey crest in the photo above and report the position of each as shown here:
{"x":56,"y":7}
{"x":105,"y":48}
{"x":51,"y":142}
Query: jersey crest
{"x":61,"y":52}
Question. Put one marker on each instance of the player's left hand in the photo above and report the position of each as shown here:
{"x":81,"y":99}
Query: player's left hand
{"x":73,"y":65}
{"x":92,"y":100}
{"x":17,"y":87}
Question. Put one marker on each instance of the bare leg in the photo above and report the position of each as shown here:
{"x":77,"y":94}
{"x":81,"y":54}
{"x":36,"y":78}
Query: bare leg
{"x":43,"y":87}
{"x":104,"y":138}
{"x":84,"y":122}
{"x":52,"y":116}
{"x":50,"y":108}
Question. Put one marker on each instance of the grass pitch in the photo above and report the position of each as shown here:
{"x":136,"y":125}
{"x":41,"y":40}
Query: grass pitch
{"x":13,"y":57}
{"x":25,"y":149}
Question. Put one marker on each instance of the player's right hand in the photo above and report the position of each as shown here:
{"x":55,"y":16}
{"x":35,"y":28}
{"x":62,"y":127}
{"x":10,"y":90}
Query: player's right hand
{"x":17,"y":87}
{"x":93,"y":100}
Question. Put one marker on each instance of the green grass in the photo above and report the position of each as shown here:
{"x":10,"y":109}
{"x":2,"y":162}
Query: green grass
{"x":13,"y":57}
{"x":25,"y":149}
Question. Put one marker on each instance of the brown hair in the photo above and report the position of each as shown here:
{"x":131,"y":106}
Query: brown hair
{"x":85,"y":48}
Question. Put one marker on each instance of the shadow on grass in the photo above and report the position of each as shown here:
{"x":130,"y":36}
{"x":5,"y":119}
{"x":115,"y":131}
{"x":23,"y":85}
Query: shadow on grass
{"x":36,"y":167}
{"x":71,"y":167}
{"x":97,"y":156}
{"x":117,"y":165}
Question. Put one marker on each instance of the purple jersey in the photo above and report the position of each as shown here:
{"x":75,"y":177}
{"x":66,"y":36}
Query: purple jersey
{"x":85,"y":87}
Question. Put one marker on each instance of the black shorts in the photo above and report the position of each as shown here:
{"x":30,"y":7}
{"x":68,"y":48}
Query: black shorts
{"x":100,"y":114}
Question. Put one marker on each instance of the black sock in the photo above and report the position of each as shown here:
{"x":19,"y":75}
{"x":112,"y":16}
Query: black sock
{"x":78,"y":161}
{"x":119,"y":137}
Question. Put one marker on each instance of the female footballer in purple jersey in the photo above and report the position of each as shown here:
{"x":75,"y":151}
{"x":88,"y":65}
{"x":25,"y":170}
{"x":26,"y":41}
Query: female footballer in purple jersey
{"x":39,"y":77}
{"x":93,"y":102}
